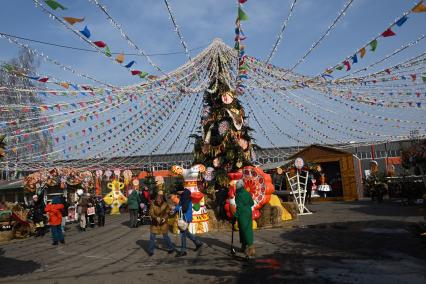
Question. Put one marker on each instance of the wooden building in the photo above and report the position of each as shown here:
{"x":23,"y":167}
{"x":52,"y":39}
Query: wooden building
{"x":342,"y":172}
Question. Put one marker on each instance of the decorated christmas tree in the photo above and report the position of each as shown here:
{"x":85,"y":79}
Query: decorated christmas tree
{"x":225,"y":144}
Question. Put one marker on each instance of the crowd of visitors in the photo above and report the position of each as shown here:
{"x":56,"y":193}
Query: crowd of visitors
{"x":139,"y":204}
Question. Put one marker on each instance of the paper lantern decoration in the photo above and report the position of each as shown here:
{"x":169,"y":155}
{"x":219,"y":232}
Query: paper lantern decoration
{"x":108,"y":174}
{"x":223,"y":127}
{"x":216,"y":162}
{"x":127,"y":176}
{"x":117,"y":172}
{"x":209,"y":174}
{"x":159,"y":180}
{"x":201,"y":168}
{"x":177,"y":170}
{"x":227,"y":97}
{"x":243,"y":143}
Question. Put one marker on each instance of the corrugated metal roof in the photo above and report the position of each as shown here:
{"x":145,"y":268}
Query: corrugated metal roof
{"x":11,"y":184}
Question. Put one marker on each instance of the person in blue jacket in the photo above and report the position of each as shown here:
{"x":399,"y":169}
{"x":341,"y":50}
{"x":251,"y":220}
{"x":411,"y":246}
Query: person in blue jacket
{"x":185,"y":204}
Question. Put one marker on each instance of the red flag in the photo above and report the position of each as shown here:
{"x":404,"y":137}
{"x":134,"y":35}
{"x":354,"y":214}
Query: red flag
{"x":388,"y":71}
{"x":136,"y":72}
{"x":413,"y":76}
{"x":242,"y":1}
{"x":99,"y":44}
{"x":347,"y":64}
{"x":387,"y":33}
{"x":43,"y":80}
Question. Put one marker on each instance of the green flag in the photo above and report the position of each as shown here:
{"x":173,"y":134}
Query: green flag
{"x":373,"y":45}
{"x":9,"y":68}
{"x":424,"y":77}
{"x":107,"y":51}
{"x":143,"y":74}
{"x":54,"y":5}
{"x":242,"y":16}
{"x":340,"y":67}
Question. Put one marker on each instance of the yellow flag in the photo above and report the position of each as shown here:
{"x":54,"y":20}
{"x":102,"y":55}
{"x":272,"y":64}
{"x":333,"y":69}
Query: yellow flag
{"x":419,"y":8}
{"x":362,"y":52}
{"x":120,"y":58}
{"x":72,"y":21}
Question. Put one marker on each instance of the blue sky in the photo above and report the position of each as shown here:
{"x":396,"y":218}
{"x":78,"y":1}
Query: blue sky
{"x":148,"y":24}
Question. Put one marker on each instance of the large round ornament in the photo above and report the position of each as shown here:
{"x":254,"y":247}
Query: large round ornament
{"x":227,"y":97}
{"x":216,"y":162}
{"x":243,"y":143}
{"x":223,"y":127}
{"x":209,"y":174}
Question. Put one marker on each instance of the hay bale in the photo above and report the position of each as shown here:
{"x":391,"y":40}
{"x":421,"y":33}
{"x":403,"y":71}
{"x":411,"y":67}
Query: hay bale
{"x":5,"y":236}
{"x":291,"y":208}
{"x":276,"y":213}
{"x":265,"y":216}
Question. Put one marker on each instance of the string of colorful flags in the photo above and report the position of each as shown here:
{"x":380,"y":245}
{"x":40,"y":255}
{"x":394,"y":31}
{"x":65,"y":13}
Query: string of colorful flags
{"x":346,"y":64}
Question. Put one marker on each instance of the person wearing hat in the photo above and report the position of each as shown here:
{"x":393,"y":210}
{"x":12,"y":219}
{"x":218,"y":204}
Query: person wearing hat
{"x":243,"y":214}
{"x":37,"y":215}
{"x":185,"y":206}
{"x":159,"y":213}
{"x":54,"y":209}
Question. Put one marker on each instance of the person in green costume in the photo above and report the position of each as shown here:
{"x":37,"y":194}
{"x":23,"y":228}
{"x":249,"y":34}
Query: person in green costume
{"x":243,"y":214}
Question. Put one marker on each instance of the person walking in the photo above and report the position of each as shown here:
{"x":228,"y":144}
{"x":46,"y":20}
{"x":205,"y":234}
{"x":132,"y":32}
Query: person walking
{"x":83,"y":203}
{"x":243,"y":214}
{"x":64,"y":212}
{"x":133,"y":202}
{"x":185,"y":206}
{"x":37,"y":215}
{"x":100,"y":211}
{"x":54,"y":209}
{"x":91,"y":211}
{"x":159,"y":213}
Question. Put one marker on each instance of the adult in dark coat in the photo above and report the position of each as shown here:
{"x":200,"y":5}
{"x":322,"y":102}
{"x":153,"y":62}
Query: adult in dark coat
{"x":100,"y":211}
{"x":36,"y":214}
{"x":133,"y":203}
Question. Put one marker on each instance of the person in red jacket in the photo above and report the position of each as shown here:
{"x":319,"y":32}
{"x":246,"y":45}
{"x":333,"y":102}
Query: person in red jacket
{"x":54,"y":209}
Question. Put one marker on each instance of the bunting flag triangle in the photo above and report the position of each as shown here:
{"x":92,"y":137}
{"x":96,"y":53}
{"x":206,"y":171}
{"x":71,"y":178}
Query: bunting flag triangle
{"x":99,"y":44}
{"x":242,"y":16}
{"x":419,"y":8}
{"x":388,"y":33}
{"x":424,"y":77}
{"x":43,"y":80}
{"x":130,"y":64}
{"x":362,"y":52}
{"x":64,"y":85}
{"x":242,"y":1}
{"x":347,"y":64}
{"x":340,"y":67}
{"x":354,"y":58}
{"x":143,"y":74}
{"x":54,"y":5}
{"x":85,"y":32}
{"x":136,"y":72}
{"x":120,"y":58}
{"x":373,"y":45}
{"x":72,"y":21}
{"x":401,"y":21}
{"x":107,"y":51}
